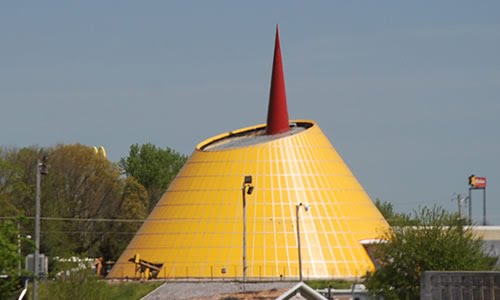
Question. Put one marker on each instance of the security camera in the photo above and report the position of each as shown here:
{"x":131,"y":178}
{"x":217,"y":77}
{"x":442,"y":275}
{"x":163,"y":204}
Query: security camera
{"x":250,"y":190}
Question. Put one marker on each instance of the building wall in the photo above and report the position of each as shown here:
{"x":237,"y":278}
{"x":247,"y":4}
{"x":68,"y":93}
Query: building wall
{"x":460,"y":285}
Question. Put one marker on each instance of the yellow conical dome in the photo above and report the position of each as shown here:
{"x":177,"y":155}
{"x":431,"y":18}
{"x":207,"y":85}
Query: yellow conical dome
{"x":208,"y":224}
{"x":196,"y":229}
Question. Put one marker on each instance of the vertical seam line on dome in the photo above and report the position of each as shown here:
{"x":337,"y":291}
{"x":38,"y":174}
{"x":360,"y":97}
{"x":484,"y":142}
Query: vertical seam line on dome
{"x":274,"y":236}
{"x":285,"y":235}
{"x":289,"y":204}
{"x":254,"y":235}
{"x":333,"y":221}
{"x":307,"y":153}
{"x":314,"y":262}
{"x":264,"y":200}
{"x":291,"y":155}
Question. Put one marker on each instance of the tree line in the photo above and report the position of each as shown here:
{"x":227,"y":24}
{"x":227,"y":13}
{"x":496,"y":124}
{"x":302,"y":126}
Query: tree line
{"x":90,"y":206}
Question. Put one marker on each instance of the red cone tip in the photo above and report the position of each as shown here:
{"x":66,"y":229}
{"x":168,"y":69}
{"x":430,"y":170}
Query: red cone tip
{"x":277,"y":113}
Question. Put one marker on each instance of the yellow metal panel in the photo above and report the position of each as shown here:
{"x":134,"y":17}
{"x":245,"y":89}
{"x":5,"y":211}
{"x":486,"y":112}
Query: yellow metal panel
{"x":196,"y":229}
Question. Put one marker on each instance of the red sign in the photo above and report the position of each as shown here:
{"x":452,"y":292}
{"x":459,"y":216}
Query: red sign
{"x":477,"y":182}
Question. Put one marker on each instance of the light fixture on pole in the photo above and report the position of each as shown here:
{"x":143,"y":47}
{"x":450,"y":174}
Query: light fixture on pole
{"x":247,"y":188}
{"x":41,"y":169}
{"x":297,"y":208}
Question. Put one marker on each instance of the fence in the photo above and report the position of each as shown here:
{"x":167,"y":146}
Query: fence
{"x":460,"y":285}
{"x":218,"y":272}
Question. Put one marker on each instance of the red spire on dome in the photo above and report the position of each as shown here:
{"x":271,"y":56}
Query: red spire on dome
{"x":277,"y":113}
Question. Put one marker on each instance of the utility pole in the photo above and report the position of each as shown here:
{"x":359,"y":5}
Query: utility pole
{"x":460,"y":203}
{"x":41,"y":169}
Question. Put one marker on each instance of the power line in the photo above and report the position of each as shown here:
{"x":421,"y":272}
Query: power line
{"x":80,"y":219}
{"x":90,"y":233}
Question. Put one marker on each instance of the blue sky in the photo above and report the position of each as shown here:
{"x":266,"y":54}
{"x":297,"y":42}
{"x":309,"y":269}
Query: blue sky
{"x":407,"y":92}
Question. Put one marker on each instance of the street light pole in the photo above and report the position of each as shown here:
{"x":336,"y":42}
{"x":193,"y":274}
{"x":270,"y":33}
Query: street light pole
{"x":246,"y":188}
{"x":41,"y":169}
{"x":244,"y":234}
{"x":470,"y":206}
{"x":297,"y":207}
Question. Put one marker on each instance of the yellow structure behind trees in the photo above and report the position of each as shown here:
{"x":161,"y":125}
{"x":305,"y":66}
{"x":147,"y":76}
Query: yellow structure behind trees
{"x":196,"y":228}
{"x":209,"y":225}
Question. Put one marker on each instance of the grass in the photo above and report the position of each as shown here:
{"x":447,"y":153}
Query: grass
{"x":324,"y":284}
{"x":131,"y":290}
{"x":84,"y":285}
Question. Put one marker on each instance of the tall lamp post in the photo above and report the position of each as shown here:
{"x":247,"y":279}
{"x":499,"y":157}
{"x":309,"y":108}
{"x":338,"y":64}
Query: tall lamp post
{"x":246,"y":188}
{"x":41,"y":169}
{"x":297,"y":208}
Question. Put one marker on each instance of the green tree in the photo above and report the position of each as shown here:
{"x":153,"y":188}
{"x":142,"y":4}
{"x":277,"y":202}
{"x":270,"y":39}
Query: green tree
{"x":9,"y":258}
{"x":153,"y":167}
{"x":81,"y":194}
{"x":17,"y":181}
{"x":133,"y":207}
{"x":435,"y":240}
{"x":80,"y":187}
{"x":392,"y":217}
{"x":17,"y":194}
{"x":6,"y":207}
